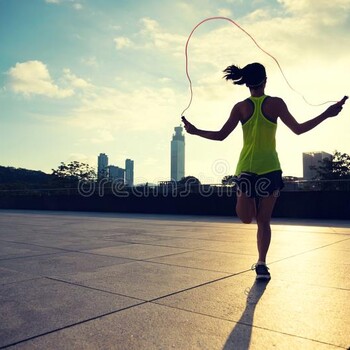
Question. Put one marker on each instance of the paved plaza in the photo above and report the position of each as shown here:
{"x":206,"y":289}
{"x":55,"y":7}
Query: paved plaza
{"x":74,"y":280}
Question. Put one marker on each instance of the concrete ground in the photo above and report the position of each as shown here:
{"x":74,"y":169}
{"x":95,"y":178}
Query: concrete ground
{"x":119,"y":281}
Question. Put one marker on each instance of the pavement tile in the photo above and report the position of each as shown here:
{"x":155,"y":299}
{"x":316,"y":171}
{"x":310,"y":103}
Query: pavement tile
{"x":343,"y":245}
{"x":10,"y":276}
{"x":75,"y":243}
{"x":286,"y":307}
{"x":31,"y":308}
{"x":61,"y":263}
{"x":10,"y":250}
{"x":324,"y":268}
{"x":124,"y":238}
{"x":302,"y":228}
{"x":230,"y":235}
{"x":210,"y":260}
{"x":143,"y":280}
{"x":155,"y":327}
{"x":189,"y":277}
{"x":342,"y":230}
{"x":276,"y":251}
{"x":137,"y":251}
{"x":184,"y":242}
{"x":58,"y":240}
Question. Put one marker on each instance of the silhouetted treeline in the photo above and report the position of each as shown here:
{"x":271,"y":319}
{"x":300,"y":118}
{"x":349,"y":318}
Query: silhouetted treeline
{"x":18,"y":178}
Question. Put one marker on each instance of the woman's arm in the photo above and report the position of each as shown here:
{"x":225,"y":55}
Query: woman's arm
{"x":220,"y":135}
{"x":300,"y":128}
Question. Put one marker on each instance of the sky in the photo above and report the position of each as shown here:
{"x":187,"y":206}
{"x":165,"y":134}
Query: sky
{"x":83,"y":77}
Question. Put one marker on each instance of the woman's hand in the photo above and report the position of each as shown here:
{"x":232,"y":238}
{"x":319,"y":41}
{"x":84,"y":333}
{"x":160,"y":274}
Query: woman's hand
{"x":335,"y":109}
{"x":190,"y":128}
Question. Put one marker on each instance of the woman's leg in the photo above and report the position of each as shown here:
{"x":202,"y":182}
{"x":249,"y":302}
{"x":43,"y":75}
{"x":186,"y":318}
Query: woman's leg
{"x":263,"y":219}
{"x":245,"y":207}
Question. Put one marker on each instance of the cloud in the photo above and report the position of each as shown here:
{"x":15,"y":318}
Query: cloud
{"x":33,"y":78}
{"x":102,"y":136}
{"x":307,"y":7}
{"x":319,"y":13}
{"x":116,"y":27}
{"x":73,"y":81}
{"x":159,"y":38}
{"x":90,"y":61}
{"x":224,"y":12}
{"x":122,"y":42}
{"x":98,"y":136}
{"x":150,"y":25}
{"x":164,"y":80}
{"x":82,"y":158}
{"x":106,"y":110}
{"x":152,"y":35}
{"x":77,"y":6}
{"x":295,"y":33}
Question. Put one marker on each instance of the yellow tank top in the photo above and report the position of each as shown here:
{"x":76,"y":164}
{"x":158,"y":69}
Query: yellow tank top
{"x":258,"y":154}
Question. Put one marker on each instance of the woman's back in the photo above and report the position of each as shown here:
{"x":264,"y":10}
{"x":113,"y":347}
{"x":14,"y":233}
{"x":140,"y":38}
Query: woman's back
{"x":258,"y":154}
{"x":270,"y":109}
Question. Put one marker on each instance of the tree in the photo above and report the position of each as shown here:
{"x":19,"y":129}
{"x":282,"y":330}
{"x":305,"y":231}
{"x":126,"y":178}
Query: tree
{"x":20,"y":175}
{"x":336,"y":168}
{"x":228,"y":180}
{"x":332,"y":171}
{"x":189,"y":180}
{"x":19,"y":179}
{"x":75,"y":171}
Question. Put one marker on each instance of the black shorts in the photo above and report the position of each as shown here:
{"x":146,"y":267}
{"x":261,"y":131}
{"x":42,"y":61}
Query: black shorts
{"x":259,"y":186}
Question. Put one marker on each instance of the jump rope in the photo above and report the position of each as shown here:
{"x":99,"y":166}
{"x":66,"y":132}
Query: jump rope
{"x":259,"y":47}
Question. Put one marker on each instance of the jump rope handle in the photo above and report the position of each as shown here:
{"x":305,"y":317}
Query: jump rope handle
{"x":343,"y":100}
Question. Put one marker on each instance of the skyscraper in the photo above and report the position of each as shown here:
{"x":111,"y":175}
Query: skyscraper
{"x":312,"y":159}
{"x":177,"y":171}
{"x":102,"y":166}
{"x":129,"y":172}
{"x":115,"y":173}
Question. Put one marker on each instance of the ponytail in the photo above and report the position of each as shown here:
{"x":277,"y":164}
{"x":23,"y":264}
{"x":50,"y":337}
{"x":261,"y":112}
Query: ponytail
{"x":253,"y":75}
{"x":234,"y":73}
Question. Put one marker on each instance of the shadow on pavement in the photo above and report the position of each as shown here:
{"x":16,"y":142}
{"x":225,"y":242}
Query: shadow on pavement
{"x":240,"y":336}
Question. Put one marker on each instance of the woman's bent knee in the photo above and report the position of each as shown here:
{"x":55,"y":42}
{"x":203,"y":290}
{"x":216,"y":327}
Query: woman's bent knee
{"x":246,"y":209}
{"x":246,"y":220}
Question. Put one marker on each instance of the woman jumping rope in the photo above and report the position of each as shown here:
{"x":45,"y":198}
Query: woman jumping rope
{"x":258,"y":173}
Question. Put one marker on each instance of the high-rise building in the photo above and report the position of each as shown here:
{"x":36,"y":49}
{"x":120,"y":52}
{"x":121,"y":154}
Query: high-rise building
{"x":177,"y":171}
{"x":102,"y":166}
{"x":129,"y":172}
{"x":115,"y":173}
{"x":313,"y":159}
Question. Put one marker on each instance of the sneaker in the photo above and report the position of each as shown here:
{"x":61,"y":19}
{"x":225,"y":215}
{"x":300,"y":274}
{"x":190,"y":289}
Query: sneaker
{"x":262,"y":272}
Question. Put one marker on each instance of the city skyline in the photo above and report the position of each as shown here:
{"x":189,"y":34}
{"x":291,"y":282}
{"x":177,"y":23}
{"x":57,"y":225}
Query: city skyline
{"x":114,"y":172}
{"x":82,"y":77}
{"x":177,"y":163}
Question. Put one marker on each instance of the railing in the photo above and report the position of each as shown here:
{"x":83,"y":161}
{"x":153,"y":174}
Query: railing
{"x":317,"y":185}
{"x":88,"y":189}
